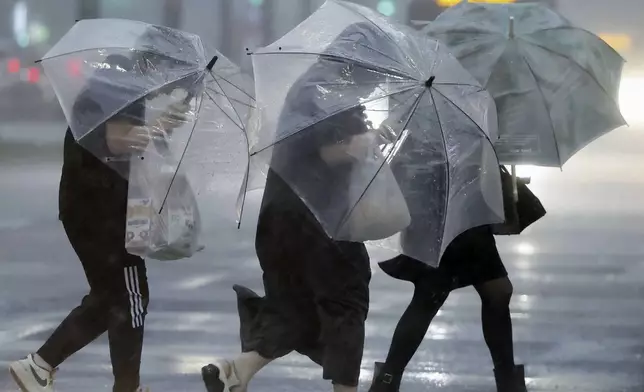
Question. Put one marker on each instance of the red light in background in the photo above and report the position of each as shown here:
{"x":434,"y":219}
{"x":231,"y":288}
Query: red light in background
{"x":74,"y":67}
{"x":33,"y":75}
{"x":13,"y":65}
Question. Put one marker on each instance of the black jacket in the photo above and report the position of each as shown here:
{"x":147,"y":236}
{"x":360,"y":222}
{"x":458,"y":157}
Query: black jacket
{"x":91,"y":190}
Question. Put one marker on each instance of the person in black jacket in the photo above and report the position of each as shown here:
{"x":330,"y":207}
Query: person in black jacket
{"x":317,"y":288}
{"x":92,"y":208}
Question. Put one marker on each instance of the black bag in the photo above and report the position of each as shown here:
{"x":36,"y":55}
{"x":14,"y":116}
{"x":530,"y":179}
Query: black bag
{"x":521,"y":213}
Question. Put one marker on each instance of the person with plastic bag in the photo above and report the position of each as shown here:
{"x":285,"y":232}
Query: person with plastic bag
{"x":317,"y":288}
{"x":472,"y":259}
{"x":92,"y":208}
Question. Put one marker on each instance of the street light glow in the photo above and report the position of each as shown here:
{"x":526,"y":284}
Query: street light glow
{"x":387,"y":7}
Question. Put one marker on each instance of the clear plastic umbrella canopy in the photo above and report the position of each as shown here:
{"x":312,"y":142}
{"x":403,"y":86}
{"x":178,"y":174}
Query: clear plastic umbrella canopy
{"x":348,"y":72}
{"x":555,"y":85}
{"x":128,"y":71}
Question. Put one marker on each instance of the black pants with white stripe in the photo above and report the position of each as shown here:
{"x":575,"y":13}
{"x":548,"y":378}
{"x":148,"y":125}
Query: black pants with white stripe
{"x":117,"y":303}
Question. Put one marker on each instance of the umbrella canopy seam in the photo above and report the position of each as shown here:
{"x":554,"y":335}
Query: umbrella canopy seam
{"x":144,"y":94}
{"x":328,"y":115}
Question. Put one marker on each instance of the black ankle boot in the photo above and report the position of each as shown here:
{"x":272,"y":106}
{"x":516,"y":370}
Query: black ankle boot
{"x":510,"y":380}
{"x":384,"y":381}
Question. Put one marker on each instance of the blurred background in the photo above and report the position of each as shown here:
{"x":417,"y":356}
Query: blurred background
{"x":578,"y":273}
{"x":29,"y":27}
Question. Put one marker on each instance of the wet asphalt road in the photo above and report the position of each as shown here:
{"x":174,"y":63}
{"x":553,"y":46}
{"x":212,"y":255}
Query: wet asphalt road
{"x":578,"y":307}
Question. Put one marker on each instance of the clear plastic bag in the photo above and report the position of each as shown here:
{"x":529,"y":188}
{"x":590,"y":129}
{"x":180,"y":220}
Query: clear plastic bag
{"x":168,"y":233}
{"x":381,"y":210}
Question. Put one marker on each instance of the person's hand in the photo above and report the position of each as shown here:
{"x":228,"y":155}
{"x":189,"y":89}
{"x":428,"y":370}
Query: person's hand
{"x":138,"y":138}
{"x":360,"y":145}
{"x":175,"y":116}
{"x":356,"y":149}
{"x":122,"y":138}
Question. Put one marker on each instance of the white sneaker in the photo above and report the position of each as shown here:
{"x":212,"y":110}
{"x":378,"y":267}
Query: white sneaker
{"x":31,"y":377}
{"x":220,"y":377}
{"x":141,"y":389}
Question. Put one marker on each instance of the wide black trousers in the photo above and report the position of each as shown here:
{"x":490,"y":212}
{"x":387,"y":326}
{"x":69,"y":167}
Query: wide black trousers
{"x":317,"y":297}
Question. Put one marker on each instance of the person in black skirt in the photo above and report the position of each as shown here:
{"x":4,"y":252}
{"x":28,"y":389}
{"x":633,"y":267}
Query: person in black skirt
{"x":472,"y":259}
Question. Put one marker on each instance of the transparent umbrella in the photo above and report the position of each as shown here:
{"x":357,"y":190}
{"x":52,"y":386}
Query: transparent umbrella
{"x":132,"y":72}
{"x":555,"y":85}
{"x":348,"y":86}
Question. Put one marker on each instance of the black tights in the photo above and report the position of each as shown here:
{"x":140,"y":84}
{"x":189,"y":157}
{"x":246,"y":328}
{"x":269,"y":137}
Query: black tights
{"x":428,"y":299}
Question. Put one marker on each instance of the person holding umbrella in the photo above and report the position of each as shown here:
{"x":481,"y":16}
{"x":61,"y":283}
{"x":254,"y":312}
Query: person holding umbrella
{"x":92,"y":207}
{"x":472,"y":259}
{"x":322,"y":161}
{"x":317,"y":288}
{"x":555,"y":87}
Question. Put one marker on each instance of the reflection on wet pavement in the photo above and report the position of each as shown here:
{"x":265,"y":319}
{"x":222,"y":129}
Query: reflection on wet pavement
{"x":578,"y":276}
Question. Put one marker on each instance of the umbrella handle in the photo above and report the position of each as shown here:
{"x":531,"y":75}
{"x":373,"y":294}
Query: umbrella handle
{"x":511,"y":29}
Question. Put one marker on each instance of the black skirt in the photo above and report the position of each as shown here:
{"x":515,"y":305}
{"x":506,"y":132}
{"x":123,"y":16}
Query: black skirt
{"x":471,"y":259}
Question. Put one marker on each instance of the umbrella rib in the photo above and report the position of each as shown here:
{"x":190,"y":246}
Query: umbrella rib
{"x":466,"y":115}
{"x":176,"y":172}
{"x":143,"y":95}
{"x":447,"y":167}
{"x":241,"y":122}
{"x":233,"y":84}
{"x":384,"y":162}
{"x":345,"y":60}
{"x":457,"y":84}
{"x":576,"y":29}
{"x":244,"y":187}
{"x":433,"y":67}
{"x":545,"y":103}
{"x":110,"y":48}
{"x":326,"y":117}
{"x":241,"y":127}
{"x":398,"y":103}
{"x":187,"y":146}
{"x":382,"y":53}
{"x":476,"y":49}
{"x":362,"y":83}
{"x":431,"y":30}
{"x":376,"y":26}
{"x":575,"y":64}
{"x":231,"y":99}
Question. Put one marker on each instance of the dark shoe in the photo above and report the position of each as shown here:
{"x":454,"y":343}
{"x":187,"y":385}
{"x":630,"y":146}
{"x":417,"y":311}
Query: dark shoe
{"x":510,"y":380}
{"x":404,"y":268}
{"x":384,"y":381}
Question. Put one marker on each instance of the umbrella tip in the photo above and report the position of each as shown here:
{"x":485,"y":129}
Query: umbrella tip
{"x":212,"y":63}
{"x":430,"y":82}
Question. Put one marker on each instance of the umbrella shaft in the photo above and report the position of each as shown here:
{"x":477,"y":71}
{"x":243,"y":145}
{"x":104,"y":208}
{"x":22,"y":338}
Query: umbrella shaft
{"x":515,"y":190}
{"x":511,"y":29}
